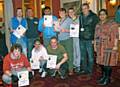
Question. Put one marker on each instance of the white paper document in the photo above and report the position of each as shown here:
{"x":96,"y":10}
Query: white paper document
{"x":51,"y":62}
{"x":19,"y":31}
{"x":74,"y":30}
{"x":35,"y":64}
{"x":57,"y":26}
{"x":48,"y":21}
{"x":23,"y":78}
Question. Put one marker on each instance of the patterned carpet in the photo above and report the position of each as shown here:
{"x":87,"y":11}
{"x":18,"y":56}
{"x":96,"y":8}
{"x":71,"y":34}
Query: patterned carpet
{"x":75,"y":80}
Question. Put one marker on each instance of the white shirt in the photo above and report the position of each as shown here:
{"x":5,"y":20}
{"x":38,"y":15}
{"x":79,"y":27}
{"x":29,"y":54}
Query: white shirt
{"x":41,"y":52}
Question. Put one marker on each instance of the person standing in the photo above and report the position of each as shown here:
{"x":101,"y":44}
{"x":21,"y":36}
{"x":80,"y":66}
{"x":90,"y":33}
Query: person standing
{"x":47,"y":31}
{"x":76,"y":45}
{"x":32,"y":31}
{"x":88,"y":21}
{"x":106,"y":44}
{"x":64,"y":37}
{"x":14,"y":23}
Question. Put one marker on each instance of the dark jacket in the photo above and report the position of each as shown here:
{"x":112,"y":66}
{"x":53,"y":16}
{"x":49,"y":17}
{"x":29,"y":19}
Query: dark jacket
{"x":32,"y":31}
{"x":88,"y":23}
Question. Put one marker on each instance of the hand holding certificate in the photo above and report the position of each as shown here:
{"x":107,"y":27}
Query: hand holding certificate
{"x":19,"y":31}
{"x":48,"y":21}
{"x":74,"y":30}
{"x":57,"y":26}
{"x":35,"y":64}
{"x":51,"y":62}
{"x":23,"y":78}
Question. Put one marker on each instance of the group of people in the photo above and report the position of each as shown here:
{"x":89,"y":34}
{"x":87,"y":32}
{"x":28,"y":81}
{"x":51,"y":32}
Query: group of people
{"x":74,"y":54}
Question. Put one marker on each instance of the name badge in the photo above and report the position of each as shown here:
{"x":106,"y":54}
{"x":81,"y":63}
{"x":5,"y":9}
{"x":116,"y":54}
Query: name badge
{"x":82,"y":29}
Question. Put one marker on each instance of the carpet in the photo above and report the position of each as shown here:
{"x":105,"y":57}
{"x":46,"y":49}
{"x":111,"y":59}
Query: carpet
{"x":75,"y":80}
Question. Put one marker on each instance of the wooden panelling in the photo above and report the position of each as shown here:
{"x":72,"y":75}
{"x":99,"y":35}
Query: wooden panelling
{"x":111,"y":9}
{"x":17,"y":4}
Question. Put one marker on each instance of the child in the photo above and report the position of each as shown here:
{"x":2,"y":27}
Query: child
{"x":39,"y":53}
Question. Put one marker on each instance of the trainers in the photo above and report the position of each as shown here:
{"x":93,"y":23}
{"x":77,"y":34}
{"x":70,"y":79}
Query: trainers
{"x":43,"y":74}
{"x":62,"y":77}
{"x":54,"y":74}
{"x":40,"y":70}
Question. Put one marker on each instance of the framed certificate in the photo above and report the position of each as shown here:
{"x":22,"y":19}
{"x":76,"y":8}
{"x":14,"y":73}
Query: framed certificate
{"x":74,"y":30}
{"x":51,"y":62}
{"x":19,"y":31}
{"x":23,"y":78}
{"x":34,"y":64}
{"x":48,"y":21}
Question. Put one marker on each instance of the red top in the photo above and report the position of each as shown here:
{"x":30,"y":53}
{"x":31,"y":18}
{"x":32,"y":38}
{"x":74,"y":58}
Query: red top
{"x":11,"y":64}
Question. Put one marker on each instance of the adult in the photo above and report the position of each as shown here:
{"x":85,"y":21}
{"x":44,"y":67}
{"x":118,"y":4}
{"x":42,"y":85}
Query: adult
{"x":14,"y":24}
{"x":88,"y":21}
{"x":32,"y":31}
{"x":48,"y":31}
{"x":64,"y":36}
{"x":76,"y":45}
{"x":13,"y":63}
{"x":106,"y":42}
{"x":56,"y":49}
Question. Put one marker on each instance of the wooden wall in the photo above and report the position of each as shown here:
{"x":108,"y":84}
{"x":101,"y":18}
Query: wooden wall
{"x":112,"y":9}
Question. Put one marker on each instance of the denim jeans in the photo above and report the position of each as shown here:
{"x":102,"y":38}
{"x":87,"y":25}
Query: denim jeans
{"x":87,"y":55}
{"x":76,"y":52}
{"x":8,"y":79}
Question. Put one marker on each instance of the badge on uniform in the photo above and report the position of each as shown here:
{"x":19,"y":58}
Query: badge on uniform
{"x":82,"y":29}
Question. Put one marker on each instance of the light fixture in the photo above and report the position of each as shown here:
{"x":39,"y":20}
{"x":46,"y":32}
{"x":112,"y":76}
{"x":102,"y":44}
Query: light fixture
{"x":113,"y":2}
{"x":43,"y":6}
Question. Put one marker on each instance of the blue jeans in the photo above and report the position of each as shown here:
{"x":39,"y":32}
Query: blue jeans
{"x":87,"y":55}
{"x":8,"y":79}
{"x":76,"y":52}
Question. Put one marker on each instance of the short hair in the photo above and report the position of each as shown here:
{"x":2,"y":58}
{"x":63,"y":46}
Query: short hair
{"x":118,"y":7}
{"x":71,"y":9}
{"x":47,"y":8}
{"x":16,"y":46}
{"x":104,"y":10}
{"x":28,"y":9}
{"x":37,"y":40}
{"x":63,"y":9}
{"x":18,"y":9}
{"x":85,"y":4}
{"x":54,"y":38}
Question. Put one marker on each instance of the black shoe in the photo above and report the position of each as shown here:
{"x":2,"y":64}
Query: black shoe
{"x":82,"y":72}
{"x":54,"y":74}
{"x":105,"y":81}
{"x":101,"y":79}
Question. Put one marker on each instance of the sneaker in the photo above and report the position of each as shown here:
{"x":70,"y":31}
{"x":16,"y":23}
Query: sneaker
{"x":40,"y":70}
{"x":43,"y":74}
{"x":54,"y":74}
{"x":62,"y":77}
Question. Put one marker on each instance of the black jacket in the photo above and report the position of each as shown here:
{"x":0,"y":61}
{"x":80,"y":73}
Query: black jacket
{"x":88,"y":23}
